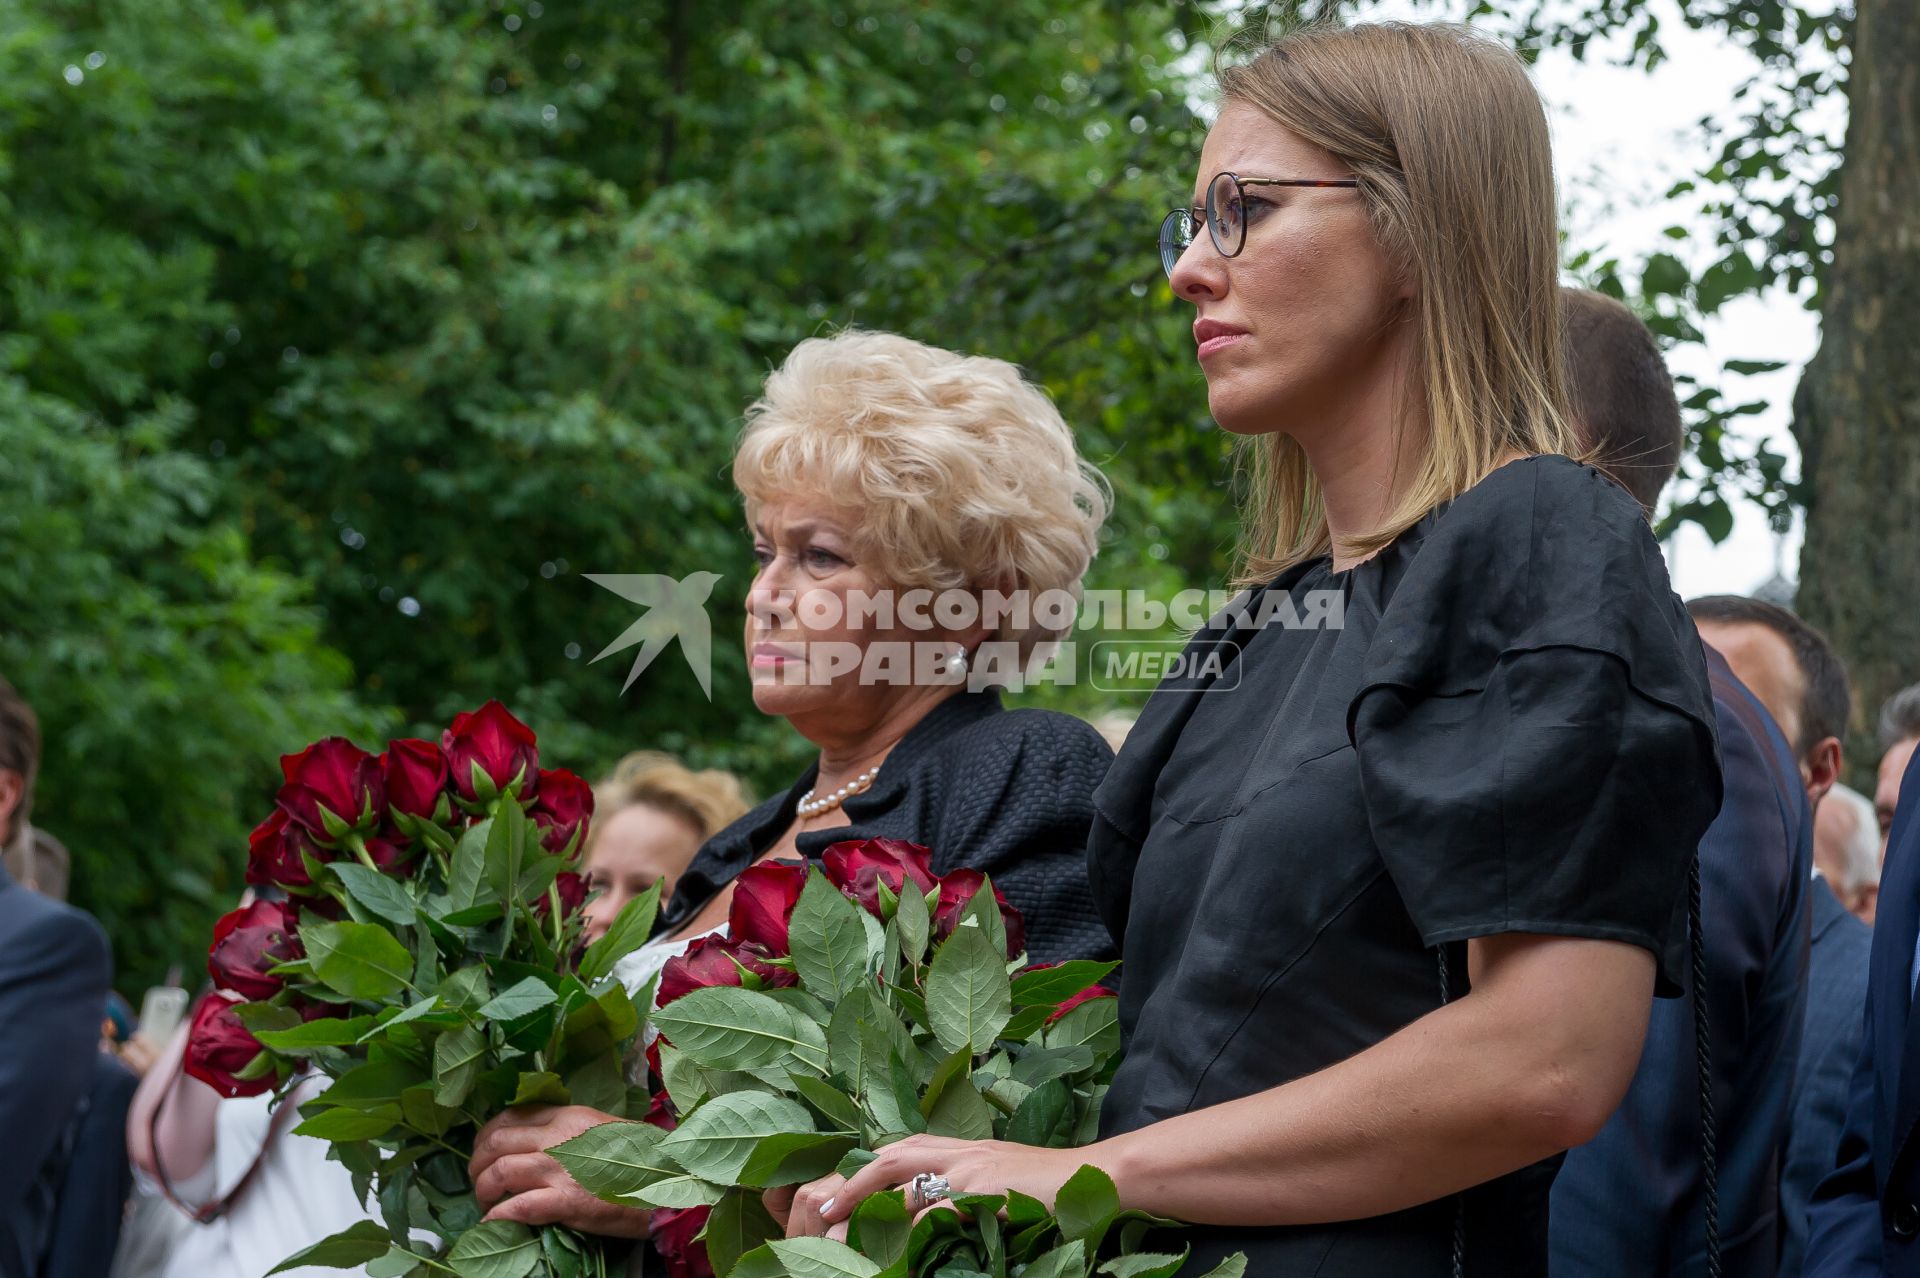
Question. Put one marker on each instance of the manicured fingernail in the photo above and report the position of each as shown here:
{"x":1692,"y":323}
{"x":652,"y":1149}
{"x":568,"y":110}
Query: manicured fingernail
{"x":826,"y":1207}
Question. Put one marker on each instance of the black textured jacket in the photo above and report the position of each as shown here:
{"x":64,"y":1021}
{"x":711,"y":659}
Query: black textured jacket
{"x":1006,"y":792}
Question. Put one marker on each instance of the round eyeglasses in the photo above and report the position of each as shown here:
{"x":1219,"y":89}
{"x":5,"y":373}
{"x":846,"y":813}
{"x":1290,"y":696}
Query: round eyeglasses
{"x":1225,"y":215}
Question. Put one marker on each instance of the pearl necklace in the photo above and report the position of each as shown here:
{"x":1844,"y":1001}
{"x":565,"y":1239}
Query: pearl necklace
{"x":810,"y":808}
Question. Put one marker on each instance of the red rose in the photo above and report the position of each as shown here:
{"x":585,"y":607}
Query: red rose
{"x":332,"y":776}
{"x":273,"y":853}
{"x":501,"y":746}
{"x":249,"y":941}
{"x":416,"y":775}
{"x":573,"y":895}
{"x":313,"y":1009}
{"x":660,"y":1113}
{"x":711,"y":961}
{"x":676,"y":1237}
{"x":763,"y":900}
{"x":858,"y":866}
{"x":562,"y":811}
{"x":219,"y":1046}
{"x":957,"y":889}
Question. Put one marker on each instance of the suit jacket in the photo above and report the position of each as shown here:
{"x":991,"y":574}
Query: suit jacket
{"x":1866,"y":1214}
{"x":1836,"y":1015}
{"x":91,"y":1199}
{"x":1628,"y":1201}
{"x":55,"y":972}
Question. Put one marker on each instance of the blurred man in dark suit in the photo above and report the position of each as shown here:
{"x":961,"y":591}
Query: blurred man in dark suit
{"x":55,"y":972}
{"x":1794,"y":671}
{"x":1631,"y":1200}
{"x":1866,"y":1215}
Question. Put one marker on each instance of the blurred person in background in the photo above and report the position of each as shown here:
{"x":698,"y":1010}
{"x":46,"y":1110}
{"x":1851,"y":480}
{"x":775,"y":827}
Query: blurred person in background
{"x":1629,"y":1201}
{"x":1846,"y":849}
{"x":1798,"y":677}
{"x":250,"y":1191}
{"x":1899,"y":733}
{"x":56,"y":971}
{"x":650,"y":817}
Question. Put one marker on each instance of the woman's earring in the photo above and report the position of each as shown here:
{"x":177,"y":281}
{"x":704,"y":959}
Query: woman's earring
{"x":956,"y":664}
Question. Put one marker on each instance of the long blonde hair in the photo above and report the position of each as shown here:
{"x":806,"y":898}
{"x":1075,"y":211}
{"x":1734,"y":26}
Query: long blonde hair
{"x":1447,"y":136}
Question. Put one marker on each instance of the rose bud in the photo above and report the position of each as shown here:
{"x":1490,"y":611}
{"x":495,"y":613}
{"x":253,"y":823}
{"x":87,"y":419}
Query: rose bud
{"x":573,"y":894}
{"x":249,"y":941}
{"x":274,"y":854}
{"x":333,"y":786}
{"x":499,"y":745}
{"x":391,"y":854}
{"x":562,"y":810}
{"x":676,"y":1236}
{"x":219,"y":1047}
{"x":858,"y":866}
{"x":763,"y":900}
{"x":416,"y":776}
{"x":660,"y":1113}
{"x":711,"y":961}
{"x":957,"y":890}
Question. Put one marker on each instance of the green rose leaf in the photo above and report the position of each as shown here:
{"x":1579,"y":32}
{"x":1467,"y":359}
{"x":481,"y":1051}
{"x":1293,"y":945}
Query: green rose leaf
{"x":881,"y":1225}
{"x":1066,"y":1261}
{"x":346,"y":1124}
{"x":914,"y":922}
{"x":1145,"y":1264}
{"x":1044,"y":1118}
{"x":629,"y":931}
{"x":328,"y":1031}
{"x":380,"y":893}
{"x":526,"y":997}
{"x":794,"y":1158}
{"x":1095,"y":1024}
{"x":726,"y":1027}
{"x":828,"y":941}
{"x":356,"y":1245}
{"x":1052,"y":986}
{"x":540,"y":1088}
{"x":616,"y":1160}
{"x":968,"y":999}
{"x":834,"y":1105}
{"x":679,"y":1192}
{"x":1086,"y":1206}
{"x":716,"y":1141}
{"x":457,"y":1057}
{"x":412,"y":1012}
{"x":1234,"y":1266}
{"x":739,"y":1224}
{"x":821,"y":1258}
{"x":495,"y":1249}
{"x":469,"y":868}
{"x":359,"y":960}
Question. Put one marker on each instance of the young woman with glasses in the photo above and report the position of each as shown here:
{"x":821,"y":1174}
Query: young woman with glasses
{"x":1395,"y":894}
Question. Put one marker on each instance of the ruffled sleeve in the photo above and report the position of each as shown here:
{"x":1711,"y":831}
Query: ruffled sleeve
{"x":1535,"y":732}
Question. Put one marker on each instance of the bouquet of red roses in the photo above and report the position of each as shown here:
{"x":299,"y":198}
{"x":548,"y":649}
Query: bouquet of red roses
{"x":427,"y":960}
{"x":850,"y":1005}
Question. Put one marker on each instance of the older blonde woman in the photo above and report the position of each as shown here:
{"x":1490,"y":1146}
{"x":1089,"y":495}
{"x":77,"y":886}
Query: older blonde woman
{"x":874,"y":467}
{"x":650,"y":817}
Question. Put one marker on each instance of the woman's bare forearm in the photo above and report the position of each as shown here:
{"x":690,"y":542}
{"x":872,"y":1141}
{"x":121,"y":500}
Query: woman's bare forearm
{"x":1529,"y":1064}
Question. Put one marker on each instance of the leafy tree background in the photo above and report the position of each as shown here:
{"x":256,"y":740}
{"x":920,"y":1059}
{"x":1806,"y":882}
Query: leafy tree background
{"x":338,"y":338}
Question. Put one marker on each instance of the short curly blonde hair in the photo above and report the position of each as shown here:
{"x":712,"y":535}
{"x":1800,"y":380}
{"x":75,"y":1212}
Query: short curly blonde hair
{"x":709,"y":801}
{"x":966,"y":475}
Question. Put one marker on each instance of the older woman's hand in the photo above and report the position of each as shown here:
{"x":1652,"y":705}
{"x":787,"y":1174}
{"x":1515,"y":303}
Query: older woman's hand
{"x":969,"y":1166}
{"x":514,"y":1178}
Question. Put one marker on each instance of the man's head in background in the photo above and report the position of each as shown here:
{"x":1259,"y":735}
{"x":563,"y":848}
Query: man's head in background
{"x":1846,"y":849}
{"x":1899,"y":733}
{"x":19,"y":762}
{"x":1623,"y":404}
{"x":1794,"y":672}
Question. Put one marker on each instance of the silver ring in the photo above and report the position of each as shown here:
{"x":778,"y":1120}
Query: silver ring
{"x":926,"y":1189}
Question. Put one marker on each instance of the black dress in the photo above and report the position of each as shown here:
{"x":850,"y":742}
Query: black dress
{"x":1006,"y":792}
{"x":1510,"y":731}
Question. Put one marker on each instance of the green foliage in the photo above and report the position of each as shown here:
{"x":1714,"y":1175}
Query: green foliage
{"x":413,"y":311}
{"x":414,"y":1074}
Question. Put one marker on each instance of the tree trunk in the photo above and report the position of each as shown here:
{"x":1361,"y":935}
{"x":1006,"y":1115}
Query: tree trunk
{"x":1857,"y":411}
